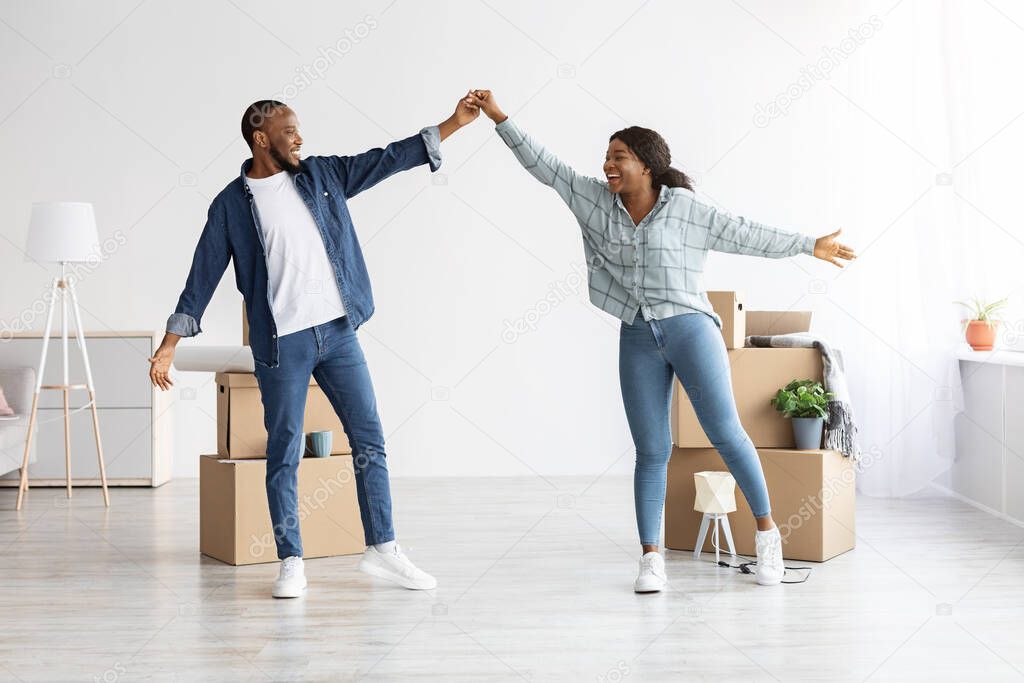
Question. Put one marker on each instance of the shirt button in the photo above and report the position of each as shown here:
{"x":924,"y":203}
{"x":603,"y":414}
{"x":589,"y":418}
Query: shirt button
{"x":273,"y":336}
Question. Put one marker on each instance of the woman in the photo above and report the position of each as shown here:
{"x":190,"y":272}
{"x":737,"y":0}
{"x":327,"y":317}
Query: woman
{"x":646,"y":238}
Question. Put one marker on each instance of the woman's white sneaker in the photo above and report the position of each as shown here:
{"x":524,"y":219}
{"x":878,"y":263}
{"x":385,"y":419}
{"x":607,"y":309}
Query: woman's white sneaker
{"x":770,"y":569}
{"x":651,"y":578}
{"x":394,"y":566}
{"x":291,"y":582}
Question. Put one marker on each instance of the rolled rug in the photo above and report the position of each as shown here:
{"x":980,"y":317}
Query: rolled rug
{"x":214,"y":359}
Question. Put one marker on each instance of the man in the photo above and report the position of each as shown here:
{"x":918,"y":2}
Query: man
{"x":285,"y":223}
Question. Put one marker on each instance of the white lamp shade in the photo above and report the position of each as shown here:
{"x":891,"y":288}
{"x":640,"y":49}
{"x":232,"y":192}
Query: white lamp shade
{"x":716,"y":492}
{"x":62,"y":231}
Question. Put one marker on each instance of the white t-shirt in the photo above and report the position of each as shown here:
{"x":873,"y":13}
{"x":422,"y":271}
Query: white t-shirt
{"x":303,"y":290}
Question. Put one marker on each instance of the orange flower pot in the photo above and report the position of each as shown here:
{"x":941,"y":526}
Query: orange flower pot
{"x":981,"y":335}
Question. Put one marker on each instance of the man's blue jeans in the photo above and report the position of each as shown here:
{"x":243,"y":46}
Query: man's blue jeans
{"x":332,"y":355}
{"x":690,"y":346}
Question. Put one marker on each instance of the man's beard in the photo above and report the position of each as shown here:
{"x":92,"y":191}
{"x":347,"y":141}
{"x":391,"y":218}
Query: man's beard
{"x":285,"y":161}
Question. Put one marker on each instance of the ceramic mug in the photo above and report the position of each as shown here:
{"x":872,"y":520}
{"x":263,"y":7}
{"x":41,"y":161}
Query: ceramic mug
{"x":318,"y":444}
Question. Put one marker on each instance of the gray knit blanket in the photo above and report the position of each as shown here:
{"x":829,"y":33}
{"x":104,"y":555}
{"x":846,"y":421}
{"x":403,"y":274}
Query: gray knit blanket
{"x":840,"y":427}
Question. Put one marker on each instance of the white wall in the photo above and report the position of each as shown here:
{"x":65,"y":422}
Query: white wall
{"x":136,"y":107}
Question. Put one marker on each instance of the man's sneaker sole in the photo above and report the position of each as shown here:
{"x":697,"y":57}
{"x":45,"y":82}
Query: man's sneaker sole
{"x":381,"y":573}
{"x":293,"y":593}
{"x":655,"y":587}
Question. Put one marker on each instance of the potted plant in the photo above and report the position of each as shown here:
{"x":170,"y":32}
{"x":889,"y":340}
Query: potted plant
{"x":981,"y":329}
{"x":805,"y":401}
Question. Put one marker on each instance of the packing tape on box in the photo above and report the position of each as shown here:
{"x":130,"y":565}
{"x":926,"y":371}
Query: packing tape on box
{"x":214,"y":359}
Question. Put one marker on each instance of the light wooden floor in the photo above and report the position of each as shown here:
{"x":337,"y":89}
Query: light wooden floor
{"x":535,"y":585}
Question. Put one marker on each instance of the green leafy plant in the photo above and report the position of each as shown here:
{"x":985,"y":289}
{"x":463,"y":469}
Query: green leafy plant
{"x":802,"y":398}
{"x":987,"y":313}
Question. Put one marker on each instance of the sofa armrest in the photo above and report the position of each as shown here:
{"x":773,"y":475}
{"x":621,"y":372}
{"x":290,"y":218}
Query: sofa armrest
{"x":18,"y":384}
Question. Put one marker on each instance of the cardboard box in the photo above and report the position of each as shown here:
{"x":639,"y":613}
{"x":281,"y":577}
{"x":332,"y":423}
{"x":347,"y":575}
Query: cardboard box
{"x":757,"y":374}
{"x":813,"y":495}
{"x":245,"y":326}
{"x":729,"y":307}
{"x":234,"y":518}
{"x":777,"y":322}
{"x":241,"y":433}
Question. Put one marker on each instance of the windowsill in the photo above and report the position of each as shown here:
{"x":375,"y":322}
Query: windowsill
{"x":996,"y":356}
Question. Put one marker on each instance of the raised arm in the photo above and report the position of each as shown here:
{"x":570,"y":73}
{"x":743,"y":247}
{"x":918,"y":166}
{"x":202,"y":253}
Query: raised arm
{"x":362,"y":171}
{"x":580,"y":192}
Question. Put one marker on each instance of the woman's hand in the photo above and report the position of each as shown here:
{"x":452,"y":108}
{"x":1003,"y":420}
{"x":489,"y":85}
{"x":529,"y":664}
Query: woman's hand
{"x":484,"y":99}
{"x":829,"y":249}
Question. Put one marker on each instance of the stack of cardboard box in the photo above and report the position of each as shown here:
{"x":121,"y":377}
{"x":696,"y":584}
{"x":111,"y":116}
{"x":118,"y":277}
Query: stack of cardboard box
{"x":234,"y":518}
{"x":812,"y":491}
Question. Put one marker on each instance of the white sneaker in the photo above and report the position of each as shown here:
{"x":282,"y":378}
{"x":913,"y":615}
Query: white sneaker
{"x":291,"y":582}
{"x":651,"y":578}
{"x":769,"y":557}
{"x":395,"y":566}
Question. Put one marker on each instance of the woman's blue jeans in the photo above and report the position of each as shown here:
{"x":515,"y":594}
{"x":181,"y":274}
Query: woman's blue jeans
{"x":689,"y":346}
{"x":332,"y":355}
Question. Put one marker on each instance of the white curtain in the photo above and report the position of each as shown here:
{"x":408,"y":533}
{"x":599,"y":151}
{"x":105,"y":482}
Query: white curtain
{"x":933,"y":96}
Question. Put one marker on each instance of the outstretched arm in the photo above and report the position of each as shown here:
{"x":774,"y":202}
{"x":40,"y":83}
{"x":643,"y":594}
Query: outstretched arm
{"x":580,"y":192}
{"x":362,"y":171}
{"x":741,"y":236}
{"x":738,"y":235}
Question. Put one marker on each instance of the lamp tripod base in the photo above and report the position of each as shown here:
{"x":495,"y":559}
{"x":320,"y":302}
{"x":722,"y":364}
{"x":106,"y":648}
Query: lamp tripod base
{"x":65,"y":288}
{"x":705,"y":523}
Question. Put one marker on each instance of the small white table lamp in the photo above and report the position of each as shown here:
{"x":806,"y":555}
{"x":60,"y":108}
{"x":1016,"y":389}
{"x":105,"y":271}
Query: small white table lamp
{"x":716,"y":498}
{"x":63,"y":232}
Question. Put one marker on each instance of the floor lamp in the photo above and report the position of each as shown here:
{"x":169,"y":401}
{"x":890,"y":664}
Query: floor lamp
{"x":63,"y":232}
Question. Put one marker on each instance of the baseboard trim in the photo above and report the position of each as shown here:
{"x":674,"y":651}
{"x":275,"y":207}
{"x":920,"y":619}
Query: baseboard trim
{"x":46,"y":483}
{"x":980,"y":506}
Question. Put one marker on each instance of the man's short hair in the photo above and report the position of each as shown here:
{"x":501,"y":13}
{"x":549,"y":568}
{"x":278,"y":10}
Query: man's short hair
{"x":256,"y":115}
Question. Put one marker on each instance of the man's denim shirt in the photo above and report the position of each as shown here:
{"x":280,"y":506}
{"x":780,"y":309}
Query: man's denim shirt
{"x":233,"y":232}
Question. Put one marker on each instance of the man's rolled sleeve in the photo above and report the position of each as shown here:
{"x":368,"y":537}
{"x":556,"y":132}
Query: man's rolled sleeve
{"x":183,"y":325}
{"x":432,"y":141}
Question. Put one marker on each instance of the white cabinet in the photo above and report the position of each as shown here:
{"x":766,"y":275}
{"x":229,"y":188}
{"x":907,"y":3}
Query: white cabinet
{"x":989,"y":466}
{"x":134,"y":420}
